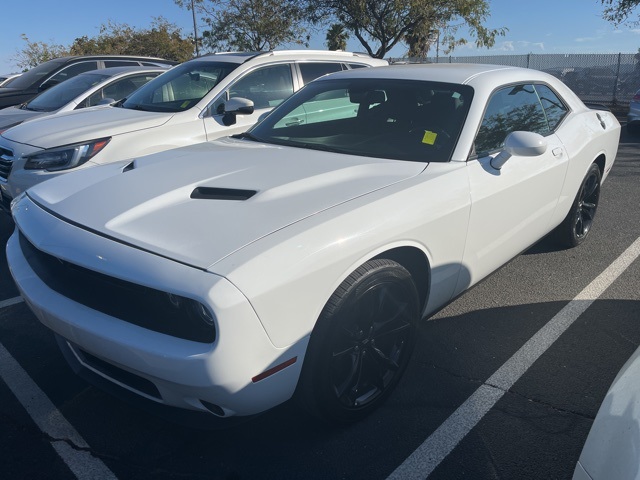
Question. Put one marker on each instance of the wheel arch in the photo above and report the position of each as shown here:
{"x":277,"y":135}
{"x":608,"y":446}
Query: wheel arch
{"x":601,"y":161}
{"x":416,"y":263}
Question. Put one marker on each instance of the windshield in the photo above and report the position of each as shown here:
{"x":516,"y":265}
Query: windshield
{"x":180,"y":88}
{"x":397,"y":119}
{"x":36,"y":74}
{"x":58,"y":96}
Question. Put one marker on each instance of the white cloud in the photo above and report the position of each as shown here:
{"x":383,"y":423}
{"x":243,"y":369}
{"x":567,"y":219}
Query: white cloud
{"x":506,"y":47}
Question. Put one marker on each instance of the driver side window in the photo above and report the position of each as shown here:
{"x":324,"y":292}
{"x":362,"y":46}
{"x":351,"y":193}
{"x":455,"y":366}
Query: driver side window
{"x":511,"y":109}
{"x":267,"y":87}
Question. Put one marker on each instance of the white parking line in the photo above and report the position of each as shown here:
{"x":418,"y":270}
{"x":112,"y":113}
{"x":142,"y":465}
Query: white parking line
{"x":11,"y":301}
{"x":49,"y":419}
{"x":441,"y":442}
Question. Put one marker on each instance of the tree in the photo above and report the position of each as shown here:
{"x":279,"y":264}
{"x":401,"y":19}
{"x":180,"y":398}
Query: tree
{"x":163,"y":40}
{"x":381,"y":25}
{"x":618,"y":11}
{"x":337,"y":37}
{"x":250,"y":25}
{"x":37,"y":52}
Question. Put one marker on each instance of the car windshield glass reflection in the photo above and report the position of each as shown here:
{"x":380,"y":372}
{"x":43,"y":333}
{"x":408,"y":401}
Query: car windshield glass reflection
{"x":36,"y":74}
{"x":179,"y":88}
{"x":58,"y":96}
{"x":397,"y":119}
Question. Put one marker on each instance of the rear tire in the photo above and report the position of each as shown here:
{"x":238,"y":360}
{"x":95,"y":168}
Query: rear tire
{"x":577,"y":224}
{"x":361,"y":343}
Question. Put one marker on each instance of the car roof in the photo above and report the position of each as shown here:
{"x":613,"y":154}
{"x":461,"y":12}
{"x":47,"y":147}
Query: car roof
{"x":113,"y":71}
{"x":71,"y":58}
{"x":462,"y":73}
{"x":242,"y":57}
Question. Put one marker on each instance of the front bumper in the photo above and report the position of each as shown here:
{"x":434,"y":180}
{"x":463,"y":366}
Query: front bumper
{"x":215,"y":378}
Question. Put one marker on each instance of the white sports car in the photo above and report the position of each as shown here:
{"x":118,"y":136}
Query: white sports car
{"x":297,"y":258}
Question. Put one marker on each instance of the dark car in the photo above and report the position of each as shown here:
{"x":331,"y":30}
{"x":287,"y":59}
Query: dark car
{"x":50,"y":73}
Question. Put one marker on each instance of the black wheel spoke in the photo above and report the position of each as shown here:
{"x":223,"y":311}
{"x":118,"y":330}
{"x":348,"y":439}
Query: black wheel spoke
{"x":384,"y":360}
{"x":398,"y":329}
{"x":346,"y":351}
{"x":349,"y":386}
{"x":591,"y":187}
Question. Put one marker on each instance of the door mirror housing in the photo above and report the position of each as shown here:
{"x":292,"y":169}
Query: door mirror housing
{"x":236,"y":106}
{"x":522,"y":144}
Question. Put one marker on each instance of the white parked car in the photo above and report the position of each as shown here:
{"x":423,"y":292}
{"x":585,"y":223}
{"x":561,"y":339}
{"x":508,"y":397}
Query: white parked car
{"x":611,"y":450}
{"x":185,"y":106}
{"x":89,"y":89}
{"x":297,"y":258}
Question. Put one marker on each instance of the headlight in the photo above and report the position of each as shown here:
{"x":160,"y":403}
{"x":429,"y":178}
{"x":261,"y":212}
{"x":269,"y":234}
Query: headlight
{"x":195,"y":318}
{"x":63,"y":158}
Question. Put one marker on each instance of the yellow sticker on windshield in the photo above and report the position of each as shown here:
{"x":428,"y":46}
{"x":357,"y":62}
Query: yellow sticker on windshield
{"x":184,"y":104}
{"x":429,"y":137}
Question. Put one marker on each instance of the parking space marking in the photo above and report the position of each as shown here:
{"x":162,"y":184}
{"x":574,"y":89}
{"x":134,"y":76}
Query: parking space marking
{"x":11,"y":301}
{"x":66,"y":441}
{"x":441,"y":443}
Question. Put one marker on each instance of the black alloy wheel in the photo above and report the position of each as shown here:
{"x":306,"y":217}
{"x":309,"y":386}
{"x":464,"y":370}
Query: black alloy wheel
{"x":362,"y":342}
{"x":576,"y":226}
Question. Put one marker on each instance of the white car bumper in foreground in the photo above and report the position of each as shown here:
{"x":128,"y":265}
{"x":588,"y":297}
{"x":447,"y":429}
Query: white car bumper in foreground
{"x":228,"y":374}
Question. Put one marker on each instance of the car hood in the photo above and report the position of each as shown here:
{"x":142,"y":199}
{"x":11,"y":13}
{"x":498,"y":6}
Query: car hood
{"x":199,"y":204}
{"x":80,"y":125}
{"x":13,"y":115}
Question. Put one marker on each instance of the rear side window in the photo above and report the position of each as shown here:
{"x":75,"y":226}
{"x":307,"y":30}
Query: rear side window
{"x":72,"y":71}
{"x":554,"y":108}
{"x":510,"y":109}
{"x":121,"y":63}
{"x":311,"y":71}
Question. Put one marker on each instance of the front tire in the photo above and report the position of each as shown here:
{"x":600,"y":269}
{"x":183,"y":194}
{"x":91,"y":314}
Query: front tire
{"x":361,"y":343}
{"x":576,"y":226}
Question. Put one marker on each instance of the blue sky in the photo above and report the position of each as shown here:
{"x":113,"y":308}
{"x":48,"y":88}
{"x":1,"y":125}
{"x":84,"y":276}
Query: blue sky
{"x":544,"y":26}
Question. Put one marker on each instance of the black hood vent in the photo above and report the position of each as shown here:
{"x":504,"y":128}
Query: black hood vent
{"x":211,"y":193}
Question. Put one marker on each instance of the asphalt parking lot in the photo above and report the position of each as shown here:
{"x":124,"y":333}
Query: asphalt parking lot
{"x":505,"y":382}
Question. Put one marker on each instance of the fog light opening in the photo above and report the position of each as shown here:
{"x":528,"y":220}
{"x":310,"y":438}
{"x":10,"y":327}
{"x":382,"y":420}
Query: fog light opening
{"x":213,"y":408}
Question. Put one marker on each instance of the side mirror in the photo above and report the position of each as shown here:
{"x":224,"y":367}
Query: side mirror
{"x":106,"y":101}
{"x":522,"y":144}
{"x":236,"y":106}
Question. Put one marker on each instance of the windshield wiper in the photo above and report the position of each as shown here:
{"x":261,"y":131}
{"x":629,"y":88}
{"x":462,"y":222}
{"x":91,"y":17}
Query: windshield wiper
{"x":248,"y":136}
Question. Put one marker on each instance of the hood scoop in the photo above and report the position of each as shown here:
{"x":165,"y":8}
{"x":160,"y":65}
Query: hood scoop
{"x":129,"y":167}
{"x":211,"y":193}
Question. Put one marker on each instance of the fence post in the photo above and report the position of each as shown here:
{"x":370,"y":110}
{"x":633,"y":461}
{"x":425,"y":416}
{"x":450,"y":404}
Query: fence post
{"x":528,"y":60}
{"x":617,"y":79}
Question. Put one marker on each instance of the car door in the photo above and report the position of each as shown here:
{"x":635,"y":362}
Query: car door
{"x":511,"y":207}
{"x":265,"y":86}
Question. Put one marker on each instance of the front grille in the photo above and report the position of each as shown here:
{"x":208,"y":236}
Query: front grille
{"x":143,"y":306}
{"x":6,"y":162}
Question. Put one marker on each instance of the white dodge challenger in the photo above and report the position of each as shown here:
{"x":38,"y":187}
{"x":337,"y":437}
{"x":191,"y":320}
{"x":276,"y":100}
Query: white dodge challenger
{"x":297,"y":258}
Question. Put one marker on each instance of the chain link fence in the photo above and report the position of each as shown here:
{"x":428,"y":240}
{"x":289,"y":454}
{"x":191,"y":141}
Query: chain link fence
{"x":609,"y":79}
